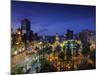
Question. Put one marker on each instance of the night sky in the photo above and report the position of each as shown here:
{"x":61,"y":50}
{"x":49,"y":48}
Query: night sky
{"x":49,"y":19}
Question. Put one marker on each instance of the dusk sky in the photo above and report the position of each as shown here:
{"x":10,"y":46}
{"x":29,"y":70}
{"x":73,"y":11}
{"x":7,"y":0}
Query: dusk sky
{"x":49,"y":19}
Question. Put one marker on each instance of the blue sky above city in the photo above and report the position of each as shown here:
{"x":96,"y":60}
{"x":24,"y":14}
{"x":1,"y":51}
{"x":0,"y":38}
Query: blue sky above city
{"x":49,"y":19}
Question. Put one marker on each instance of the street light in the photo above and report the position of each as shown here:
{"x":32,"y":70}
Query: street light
{"x":19,"y":32}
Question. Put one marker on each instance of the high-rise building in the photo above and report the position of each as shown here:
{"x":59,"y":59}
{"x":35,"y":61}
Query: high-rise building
{"x":69,"y":34}
{"x":87,"y":36}
{"x":25,"y":25}
{"x":25,"y":28}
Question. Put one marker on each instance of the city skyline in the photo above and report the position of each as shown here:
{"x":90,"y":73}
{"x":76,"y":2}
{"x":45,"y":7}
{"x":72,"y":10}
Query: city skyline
{"x":49,"y":37}
{"x":48,"y":19}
